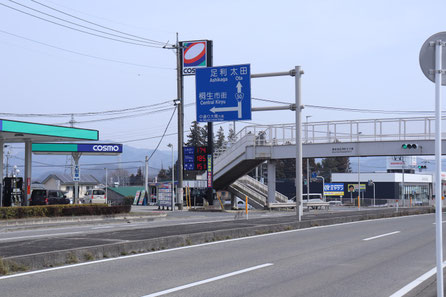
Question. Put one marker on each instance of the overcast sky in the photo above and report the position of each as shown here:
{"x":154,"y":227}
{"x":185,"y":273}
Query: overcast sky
{"x":355,"y":54}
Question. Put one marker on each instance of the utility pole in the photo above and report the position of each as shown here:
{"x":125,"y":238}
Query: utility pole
{"x":180,"y":101}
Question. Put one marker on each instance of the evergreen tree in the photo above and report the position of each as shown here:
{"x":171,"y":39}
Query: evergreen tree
{"x":195,"y":136}
{"x":231,"y":135}
{"x":220,"y":142}
{"x":334,"y":165}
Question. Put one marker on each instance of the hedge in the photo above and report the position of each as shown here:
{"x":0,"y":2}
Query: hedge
{"x":61,"y":210}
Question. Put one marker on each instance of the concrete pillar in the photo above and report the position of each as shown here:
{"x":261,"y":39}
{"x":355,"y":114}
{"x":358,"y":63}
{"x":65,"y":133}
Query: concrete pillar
{"x":233,"y":200}
{"x":271,"y":181}
{"x":27,"y":181}
{"x":1,"y":173}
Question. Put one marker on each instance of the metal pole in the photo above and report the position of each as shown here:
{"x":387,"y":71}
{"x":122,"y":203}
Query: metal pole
{"x":106,"y":183}
{"x":28,"y":170}
{"x":308,"y":179}
{"x":76,"y":157}
{"x":374,"y":197}
{"x":173,"y":182}
{"x":297,"y":78}
{"x":1,"y":173}
{"x":180,"y":94}
{"x":359,"y":182}
{"x":308,"y":160}
{"x":402,"y":184}
{"x":438,"y":185}
{"x":146,"y":177}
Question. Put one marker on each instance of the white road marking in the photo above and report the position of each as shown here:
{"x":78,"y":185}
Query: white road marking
{"x":103,"y":227}
{"x":213,"y":279}
{"x":441,"y":222}
{"x":382,"y":235}
{"x":41,"y":235}
{"x":199,"y":245}
{"x":409,"y":287}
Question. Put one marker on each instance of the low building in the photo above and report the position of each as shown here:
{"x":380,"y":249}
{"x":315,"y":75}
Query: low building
{"x":65,"y":183}
{"x":415,"y":188}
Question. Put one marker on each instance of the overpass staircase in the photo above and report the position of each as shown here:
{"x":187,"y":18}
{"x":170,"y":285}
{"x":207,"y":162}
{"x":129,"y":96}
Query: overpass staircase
{"x":256,"y":192}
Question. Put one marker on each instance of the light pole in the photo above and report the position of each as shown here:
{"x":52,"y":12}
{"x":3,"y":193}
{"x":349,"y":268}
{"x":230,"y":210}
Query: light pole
{"x":359,"y":176}
{"x":402,"y":184}
{"x":173,"y":179}
{"x":308,"y":159}
{"x":323,"y":186}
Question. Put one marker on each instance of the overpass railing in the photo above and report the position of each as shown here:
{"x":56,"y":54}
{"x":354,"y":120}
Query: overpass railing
{"x":387,"y":129}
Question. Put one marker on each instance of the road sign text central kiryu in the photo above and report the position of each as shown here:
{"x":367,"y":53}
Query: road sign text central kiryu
{"x":223,"y":93}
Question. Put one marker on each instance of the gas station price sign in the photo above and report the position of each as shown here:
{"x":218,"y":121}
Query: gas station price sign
{"x":195,"y":158}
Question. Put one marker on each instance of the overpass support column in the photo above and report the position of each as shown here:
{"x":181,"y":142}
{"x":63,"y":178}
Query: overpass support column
{"x":233,"y":200}
{"x":28,"y":162}
{"x":271,"y":181}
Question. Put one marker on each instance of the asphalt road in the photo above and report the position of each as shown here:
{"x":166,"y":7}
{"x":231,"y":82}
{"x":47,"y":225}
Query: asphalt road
{"x":366,"y":258}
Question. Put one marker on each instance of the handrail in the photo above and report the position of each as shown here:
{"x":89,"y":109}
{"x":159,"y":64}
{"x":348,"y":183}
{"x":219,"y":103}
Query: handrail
{"x":385,"y":129}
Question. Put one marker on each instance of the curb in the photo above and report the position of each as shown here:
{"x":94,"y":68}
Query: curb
{"x":71,"y":256}
{"x":38,"y":222}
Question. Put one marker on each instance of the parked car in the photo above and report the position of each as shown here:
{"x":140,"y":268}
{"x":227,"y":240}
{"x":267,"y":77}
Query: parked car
{"x":94,"y":196}
{"x":48,"y":197}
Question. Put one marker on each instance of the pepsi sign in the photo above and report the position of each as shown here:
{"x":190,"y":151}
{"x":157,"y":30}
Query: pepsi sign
{"x":195,"y":54}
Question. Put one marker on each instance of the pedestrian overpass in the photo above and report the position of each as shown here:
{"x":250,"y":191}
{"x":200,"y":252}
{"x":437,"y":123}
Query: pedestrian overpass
{"x":353,"y":138}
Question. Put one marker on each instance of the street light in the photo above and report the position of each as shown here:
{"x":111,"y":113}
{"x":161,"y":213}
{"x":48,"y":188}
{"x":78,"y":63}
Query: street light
{"x":308,"y":159}
{"x":173,"y":178}
{"x":359,"y":176}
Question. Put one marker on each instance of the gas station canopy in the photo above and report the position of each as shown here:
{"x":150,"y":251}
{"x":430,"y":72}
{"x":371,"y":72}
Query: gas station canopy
{"x":15,"y":131}
{"x":81,"y":148}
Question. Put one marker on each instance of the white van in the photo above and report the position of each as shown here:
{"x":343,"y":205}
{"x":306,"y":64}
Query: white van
{"x":95,"y":196}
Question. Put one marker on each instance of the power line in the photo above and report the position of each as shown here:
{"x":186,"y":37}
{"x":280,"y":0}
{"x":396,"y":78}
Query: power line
{"x":162,"y":137}
{"x":89,"y":113}
{"x":269,"y":100}
{"x":96,"y":24}
{"x":85,"y":27}
{"x":370,"y":110}
{"x":86,"y":55}
{"x":79,"y":30}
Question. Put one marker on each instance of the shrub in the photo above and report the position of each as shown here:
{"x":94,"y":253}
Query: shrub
{"x":128,"y":200}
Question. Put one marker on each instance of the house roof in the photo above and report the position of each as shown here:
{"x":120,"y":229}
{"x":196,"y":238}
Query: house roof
{"x":127,"y":191}
{"x":65,"y":179}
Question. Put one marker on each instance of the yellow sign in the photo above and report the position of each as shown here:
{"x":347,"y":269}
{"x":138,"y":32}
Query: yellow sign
{"x":354,"y":187}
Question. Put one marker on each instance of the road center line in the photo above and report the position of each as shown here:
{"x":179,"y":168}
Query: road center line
{"x":213,"y":279}
{"x":41,"y":235}
{"x":382,"y":235}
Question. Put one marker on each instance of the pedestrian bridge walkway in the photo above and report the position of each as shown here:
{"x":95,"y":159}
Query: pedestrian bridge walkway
{"x":370,"y":137}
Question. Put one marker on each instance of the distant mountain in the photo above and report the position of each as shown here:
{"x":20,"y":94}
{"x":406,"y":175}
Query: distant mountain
{"x":131,"y":159}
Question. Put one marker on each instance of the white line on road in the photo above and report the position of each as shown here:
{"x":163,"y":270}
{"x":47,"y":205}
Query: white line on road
{"x":103,"y":227}
{"x":201,"y":245}
{"x":409,"y":287}
{"x":382,"y":235}
{"x":41,"y":235}
{"x":213,"y":279}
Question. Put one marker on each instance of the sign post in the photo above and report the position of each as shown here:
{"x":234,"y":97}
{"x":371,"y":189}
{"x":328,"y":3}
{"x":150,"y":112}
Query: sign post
{"x":432,"y":58}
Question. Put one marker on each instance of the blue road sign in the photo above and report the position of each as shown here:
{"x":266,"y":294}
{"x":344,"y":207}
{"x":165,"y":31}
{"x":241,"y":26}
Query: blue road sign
{"x":223,"y":93}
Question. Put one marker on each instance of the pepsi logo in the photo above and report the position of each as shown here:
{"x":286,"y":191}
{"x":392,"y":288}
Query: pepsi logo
{"x":194,"y":54}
